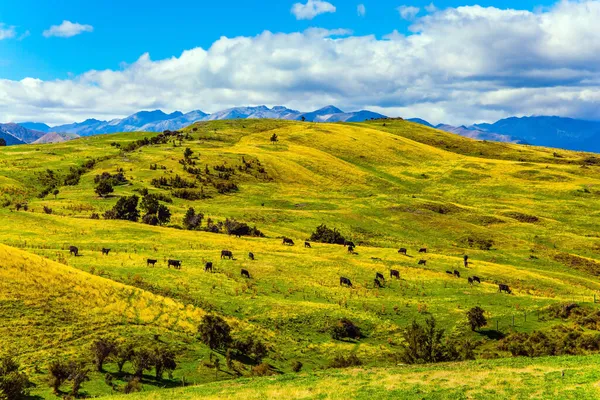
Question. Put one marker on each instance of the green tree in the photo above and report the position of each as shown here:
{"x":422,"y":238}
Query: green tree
{"x":78,"y":373}
{"x":163,"y":214}
{"x":188,"y":153}
{"x":163,"y":360}
{"x":476,"y":318}
{"x":214,"y":332}
{"x":2,"y":142}
{"x":192,"y":220}
{"x":142,"y":361}
{"x":55,"y":192}
{"x":103,"y":188}
{"x":149,"y":204}
{"x":58,"y":373}
{"x":126,"y":209}
{"x":123,"y":353}
{"x":101,"y":350}
{"x":423,"y":343}
{"x":13,"y":383}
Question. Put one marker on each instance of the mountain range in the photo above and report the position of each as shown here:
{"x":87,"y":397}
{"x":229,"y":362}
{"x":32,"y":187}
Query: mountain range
{"x":559,"y":132}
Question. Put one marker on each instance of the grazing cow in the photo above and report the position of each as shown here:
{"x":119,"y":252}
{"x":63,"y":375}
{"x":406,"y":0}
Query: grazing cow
{"x":349,"y":243}
{"x":466,"y":261}
{"x":377,"y":283}
{"x":226,"y":254}
{"x":251,"y":256}
{"x":350,"y":249}
{"x":245,"y":273}
{"x":74,"y":250}
{"x":504,"y":288}
{"x":174,"y":263}
{"x":379,"y":276}
{"x":306,"y":244}
{"x":394,"y":274}
{"x":402,"y":251}
{"x":105,"y":251}
{"x":422,"y":262}
{"x":422,"y":250}
{"x":288,"y":241}
{"x":456,"y":273}
{"x":208,"y":267}
{"x":150,"y":262}
{"x":476,"y":279}
{"x":470,"y":280}
{"x":345,"y":281}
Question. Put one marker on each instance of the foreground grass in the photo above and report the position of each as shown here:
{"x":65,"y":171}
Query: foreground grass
{"x":542,"y":378}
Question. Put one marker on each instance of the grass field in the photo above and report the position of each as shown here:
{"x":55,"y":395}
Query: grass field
{"x":383,"y":184}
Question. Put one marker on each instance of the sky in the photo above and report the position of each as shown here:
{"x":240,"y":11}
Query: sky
{"x":444,"y":61}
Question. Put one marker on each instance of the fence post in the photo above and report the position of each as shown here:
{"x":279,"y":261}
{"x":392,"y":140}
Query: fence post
{"x":496,"y":325}
{"x":513,"y":320}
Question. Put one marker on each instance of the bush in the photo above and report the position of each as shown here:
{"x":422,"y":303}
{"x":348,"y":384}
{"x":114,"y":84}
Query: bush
{"x":13,"y":383}
{"x":125,"y":209}
{"x":150,"y":219}
{"x":192,"y":220}
{"x":95,"y":216}
{"x":344,"y":362}
{"x":191,"y":195}
{"x":476,"y":318}
{"x":323,"y":234}
{"x":103,"y":188}
{"x":297,"y":366}
{"x":239,"y":229}
{"x":478,"y":242}
{"x":345,"y":329}
{"x":214,"y":332}
{"x":262,"y":370}
{"x":252,"y":348}
{"x":47,"y":210}
{"x":426,"y":344}
{"x":132,"y":386}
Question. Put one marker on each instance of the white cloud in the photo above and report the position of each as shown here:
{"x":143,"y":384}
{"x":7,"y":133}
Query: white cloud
{"x":7,"y":32}
{"x":67,"y":29}
{"x":361,"y":10}
{"x":431,"y":8}
{"x":458,"y":65}
{"x":24,"y":35}
{"x":312,"y":8}
{"x":408,"y":13}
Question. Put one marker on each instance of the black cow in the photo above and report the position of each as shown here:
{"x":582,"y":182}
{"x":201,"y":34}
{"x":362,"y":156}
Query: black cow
{"x":74,"y":250}
{"x":251,"y":256}
{"x":470,"y":280}
{"x":345,"y":281}
{"x":402,"y":251}
{"x":422,"y":262}
{"x":350,"y":249}
{"x":151,"y":262}
{"x":394,"y":274}
{"x":105,"y":251}
{"x":349,"y":243}
{"x":456,"y":273}
{"x":449,"y":272}
{"x":504,"y":288}
{"x":245,"y":273}
{"x":226,"y":254}
{"x":377,"y":283}
{"x":174,"y":263}
{"x":466,"y":261}
{"x":422,"y":250}
{"x":288,"y":241}
{"x":306,"y":244}
{"x":476,"y":279}
{"x":379,"y":276}
{"x":208,"y":267}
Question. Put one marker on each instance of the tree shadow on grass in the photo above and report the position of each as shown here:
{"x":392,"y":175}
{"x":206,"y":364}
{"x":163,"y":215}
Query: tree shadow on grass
{"x":492,"y":334}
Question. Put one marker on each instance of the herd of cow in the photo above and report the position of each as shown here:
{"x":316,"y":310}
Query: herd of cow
{"x":377,"y":282}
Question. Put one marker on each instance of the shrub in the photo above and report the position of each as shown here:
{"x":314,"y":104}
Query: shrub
{"x":95,"y":216}
{"x":297,"y":366}
{"x":191,"y":195}
{"x":13,"y":383}
{"x":323,"y":234}
{"x":251,"y":347}
{"x":103,"y":188}
{"x":478,"y":242}
{"x":425,"y":344}
{"x":214,"y":332}
{"x":125,"y":209}
{"x":150,"y":219}
{"x":239,"y":229}
{"x":345,"y":329}
{"x":476,"y":318}
{"x":132,"y":386}
{"x":192,"y":220}
{"x":47,"y":210}
{"x":262,"y":369}
{"x":344,"y":362}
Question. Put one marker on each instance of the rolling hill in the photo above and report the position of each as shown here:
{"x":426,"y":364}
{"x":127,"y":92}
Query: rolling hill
{"x":525,"y":216}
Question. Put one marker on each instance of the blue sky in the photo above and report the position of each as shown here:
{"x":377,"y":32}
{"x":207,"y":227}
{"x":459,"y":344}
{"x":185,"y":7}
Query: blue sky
{"x":455,"y":61}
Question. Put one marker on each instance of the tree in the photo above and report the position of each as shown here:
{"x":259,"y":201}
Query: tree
{"x":423,"y":343}
{"x":149,"y":204}
{"x":191,"y":220}
{"x":150,"y":219}
{"x":13,"y":383}
{"x":187,"y":153}
{"x":123,"y":353}
{"x":103,"y":188}
{"x":214,"y":332}
{"x":476,"y":318}
{"x":2,"y":142}
{"x":163,"y":360}
{"x":126,"y":209}
{"x":142,"y":361}
{"x":324,"y":234}
{"x":101,"y":350}
{"x":58,"y":373}
{"x":78,"y":373}
{"x":55,"y":192}
{"x":163,"y":214}
{"x":303,"y":118}
{"x":274,"y":138}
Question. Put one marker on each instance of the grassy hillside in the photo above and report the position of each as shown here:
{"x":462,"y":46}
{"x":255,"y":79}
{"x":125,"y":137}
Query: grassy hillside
{"x":525,"y":216}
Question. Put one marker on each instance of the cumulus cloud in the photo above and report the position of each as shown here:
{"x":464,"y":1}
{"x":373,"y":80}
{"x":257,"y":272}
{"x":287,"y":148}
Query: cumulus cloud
{"x":408,"y":13}
{"x":7,"y":32}
{"x":361,"y":10}
{"x":431,"y":8}
{"x":457,"y":65}
{"x":312,"y":8}
{"x":67,"y":29}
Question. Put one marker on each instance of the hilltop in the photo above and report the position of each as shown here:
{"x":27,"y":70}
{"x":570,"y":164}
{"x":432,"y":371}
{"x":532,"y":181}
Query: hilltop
{"x":524,"y":215}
